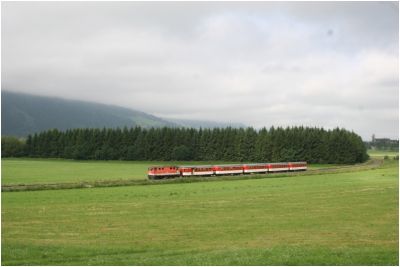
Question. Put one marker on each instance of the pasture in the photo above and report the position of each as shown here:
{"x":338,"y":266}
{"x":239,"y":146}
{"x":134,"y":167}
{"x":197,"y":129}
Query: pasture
{"x":41,"y":171}
{"x":32,"y":171}
{"x":382,"y":153}
{"x":328,"y":219}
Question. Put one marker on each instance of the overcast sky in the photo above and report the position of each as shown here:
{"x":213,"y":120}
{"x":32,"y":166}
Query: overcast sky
{"x":324,"y":64}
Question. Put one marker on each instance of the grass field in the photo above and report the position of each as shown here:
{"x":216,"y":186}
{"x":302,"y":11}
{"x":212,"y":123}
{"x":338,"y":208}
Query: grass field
{"x":331,"y":219}
{"x":40,"y":171}
{"x":382,"y":153}
{"x":33,"y":171}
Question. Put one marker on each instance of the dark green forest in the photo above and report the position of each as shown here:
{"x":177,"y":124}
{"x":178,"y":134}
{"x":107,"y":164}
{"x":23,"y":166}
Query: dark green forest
{"x":314,"y":145}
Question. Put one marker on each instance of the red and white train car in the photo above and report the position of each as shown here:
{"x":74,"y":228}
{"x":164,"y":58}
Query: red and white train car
{"x":158,"y":172}
{"x":228,"y":169}
{"x":203,"y":170}
{"x":278,"y":167}
{"x":200,"y":170}
{"x":298,"y":166}
{"x":186,"y":170}
{"x":255,"y":168}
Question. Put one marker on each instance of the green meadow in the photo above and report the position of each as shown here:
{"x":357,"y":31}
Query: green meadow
{"x":42,"y":171}
{"x":328,"y":219}
{"x":382,"y":153}
{"x":31,"y":171}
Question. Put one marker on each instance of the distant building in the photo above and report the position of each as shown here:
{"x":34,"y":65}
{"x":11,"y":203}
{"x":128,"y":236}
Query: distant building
{"x":383,"y":143}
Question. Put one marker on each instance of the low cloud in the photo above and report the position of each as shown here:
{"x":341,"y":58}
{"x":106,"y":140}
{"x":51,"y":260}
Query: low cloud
{"x":262,"y":64}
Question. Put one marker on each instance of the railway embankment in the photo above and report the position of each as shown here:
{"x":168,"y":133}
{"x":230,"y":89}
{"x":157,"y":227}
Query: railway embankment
{"x":370,"y":164}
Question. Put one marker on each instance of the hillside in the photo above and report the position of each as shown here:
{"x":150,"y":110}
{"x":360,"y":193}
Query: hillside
{"x":23,"y":114}
{"x":205,"y":124}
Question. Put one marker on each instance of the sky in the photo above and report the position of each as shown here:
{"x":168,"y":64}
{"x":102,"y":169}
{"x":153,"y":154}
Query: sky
{"x":263,"y":64}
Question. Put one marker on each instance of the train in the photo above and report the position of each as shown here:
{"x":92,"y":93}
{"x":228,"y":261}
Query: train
{"x":162,"y":172}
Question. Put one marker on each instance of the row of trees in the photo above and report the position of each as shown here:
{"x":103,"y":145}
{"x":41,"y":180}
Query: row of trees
{"x":12,"y":147}
{"x":314,"y":145}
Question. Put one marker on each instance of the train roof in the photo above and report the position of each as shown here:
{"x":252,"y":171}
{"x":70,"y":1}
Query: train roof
{"x":254,"y":164}
{"x":229,"y":165}
{"x":168,"y":166}
{"x":196,"y":166}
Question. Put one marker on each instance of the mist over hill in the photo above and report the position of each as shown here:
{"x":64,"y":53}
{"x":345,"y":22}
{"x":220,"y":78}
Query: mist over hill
{"x":23,"y":114}
{"x":205,"y":124}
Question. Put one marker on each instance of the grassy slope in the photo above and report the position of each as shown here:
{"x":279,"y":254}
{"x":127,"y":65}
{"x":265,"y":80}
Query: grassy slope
{"x":335,"y":219}
{"x":39,"y":171}
{"x":23,"y":114}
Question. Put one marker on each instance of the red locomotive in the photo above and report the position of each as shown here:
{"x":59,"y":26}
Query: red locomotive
{"x":158,"y":172}
{"x":163,"y":172}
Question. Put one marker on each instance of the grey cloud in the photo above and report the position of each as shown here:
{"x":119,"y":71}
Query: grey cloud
{"x":261,"y":63}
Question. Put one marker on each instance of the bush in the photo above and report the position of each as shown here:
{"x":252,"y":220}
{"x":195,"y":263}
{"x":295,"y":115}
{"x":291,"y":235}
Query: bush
{"x":12,"y":147}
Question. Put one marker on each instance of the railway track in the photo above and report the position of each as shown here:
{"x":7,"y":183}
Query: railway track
{"x":371,"y":164}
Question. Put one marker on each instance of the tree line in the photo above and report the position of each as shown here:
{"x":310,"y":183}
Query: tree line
{"x":383,"y":144}
{"x":314,"y":145}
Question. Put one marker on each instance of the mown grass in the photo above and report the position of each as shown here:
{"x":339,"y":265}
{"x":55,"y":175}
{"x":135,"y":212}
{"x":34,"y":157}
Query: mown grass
{"x":33,"y":171}
{"x":382,"y":153}
{"x":52,"y":171}
{"x":371,"y":164}
{"x":331,"y":219}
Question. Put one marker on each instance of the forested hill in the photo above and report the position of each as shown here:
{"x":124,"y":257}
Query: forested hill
{"x":23,"y":114}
